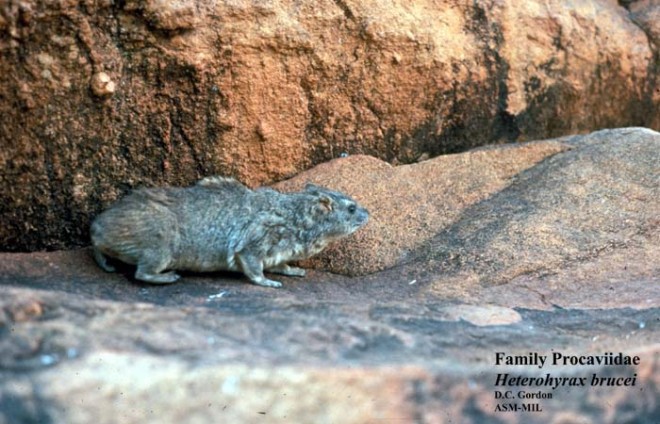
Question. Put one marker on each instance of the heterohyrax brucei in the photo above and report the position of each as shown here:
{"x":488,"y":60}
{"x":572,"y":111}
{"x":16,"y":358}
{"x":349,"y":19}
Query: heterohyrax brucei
{"x":220,"y":224}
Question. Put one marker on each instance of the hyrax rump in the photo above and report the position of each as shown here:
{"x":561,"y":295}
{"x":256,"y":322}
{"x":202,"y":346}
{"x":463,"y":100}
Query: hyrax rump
{"x":220,"y":224}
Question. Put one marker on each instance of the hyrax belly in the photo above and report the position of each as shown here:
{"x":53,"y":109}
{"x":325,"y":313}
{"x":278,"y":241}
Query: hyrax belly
{"x":205,"y":260}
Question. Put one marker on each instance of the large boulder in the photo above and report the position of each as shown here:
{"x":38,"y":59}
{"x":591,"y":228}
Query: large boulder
{"x":493,"y":215}
{"x":100,"y":97}
{"x":410,"y":204}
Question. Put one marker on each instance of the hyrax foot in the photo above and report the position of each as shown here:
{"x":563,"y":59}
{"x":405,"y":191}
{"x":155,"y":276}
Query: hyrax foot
{"x":164,"y":278}
{"x":284,"y":269}
{"x":265,"y":282}
{"x":151,"y":265}
{"x":102,"y":261}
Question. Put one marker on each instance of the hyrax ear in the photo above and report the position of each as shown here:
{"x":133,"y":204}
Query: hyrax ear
{"x":326,"y":203}
{"x":312,"y":188}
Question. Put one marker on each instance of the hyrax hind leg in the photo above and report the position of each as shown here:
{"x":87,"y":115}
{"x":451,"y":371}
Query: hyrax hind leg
{"x":253,"y":268}
{"x":102,"y":261}
{"x":151,"y":265}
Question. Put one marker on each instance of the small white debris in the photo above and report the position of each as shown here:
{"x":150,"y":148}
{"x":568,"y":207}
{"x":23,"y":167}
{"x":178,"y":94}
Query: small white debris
{"x":642,"y":325}
{"x":215,"y":296}
{"x":412,"y":282}
{"x":594,"y":338}
{"x":47,"y":360}
{"x":102,"y":84}
{"x":231,"y":385}
{"x":343,"y":155}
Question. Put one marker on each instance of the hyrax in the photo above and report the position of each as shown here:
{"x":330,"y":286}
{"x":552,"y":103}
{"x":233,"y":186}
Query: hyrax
{"x":220,"y":224}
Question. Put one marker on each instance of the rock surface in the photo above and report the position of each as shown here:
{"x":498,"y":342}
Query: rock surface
{"x":409,"y":204}
{"x":492,"y":215}
{"x":81,"y":346}
{"x":98,"y":97}
{"x":540,"y":248}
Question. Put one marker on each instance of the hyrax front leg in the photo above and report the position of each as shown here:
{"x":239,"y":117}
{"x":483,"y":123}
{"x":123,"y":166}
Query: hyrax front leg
{"x":284,"y":269}
{"x":253,"y":268}
{"x":151,"y":265}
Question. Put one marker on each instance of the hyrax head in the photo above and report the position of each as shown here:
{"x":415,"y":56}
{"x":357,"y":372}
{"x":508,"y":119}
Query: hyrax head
{"x":337,"y":213}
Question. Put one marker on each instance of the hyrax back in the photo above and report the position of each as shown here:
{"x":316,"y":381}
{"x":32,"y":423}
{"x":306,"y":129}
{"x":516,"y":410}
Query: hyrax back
{"x":219,"y":224}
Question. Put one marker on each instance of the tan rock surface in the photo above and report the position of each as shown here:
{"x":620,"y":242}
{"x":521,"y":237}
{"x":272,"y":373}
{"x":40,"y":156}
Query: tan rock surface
{"x":589,"y":214}
{"x":582,"y":209}
{"x":410,"y":204}
{"x":539,"y":248}
{"x":99,"y":97}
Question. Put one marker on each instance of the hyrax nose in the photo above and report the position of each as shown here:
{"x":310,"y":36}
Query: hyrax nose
{"x":363,"y":216}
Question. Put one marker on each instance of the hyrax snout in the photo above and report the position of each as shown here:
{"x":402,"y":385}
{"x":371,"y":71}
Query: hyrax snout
{"x":220,"y":224}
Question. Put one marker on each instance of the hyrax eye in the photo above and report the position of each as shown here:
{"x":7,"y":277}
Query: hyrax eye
{"x":352,"y":209}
